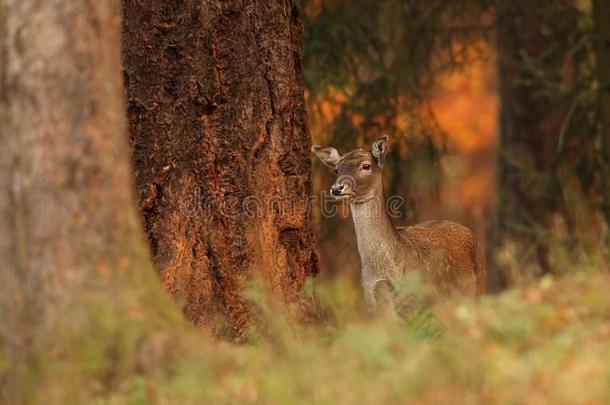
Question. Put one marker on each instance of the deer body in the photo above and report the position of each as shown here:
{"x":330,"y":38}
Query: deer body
{"x":445,"y":254}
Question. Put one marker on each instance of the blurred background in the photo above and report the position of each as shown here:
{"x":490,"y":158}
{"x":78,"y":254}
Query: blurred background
{"x":493,"y":113}
{"x":498,"y":113}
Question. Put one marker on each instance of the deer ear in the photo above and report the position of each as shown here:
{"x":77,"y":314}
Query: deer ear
{"x":329,"y":156}
{"x":380,"y":148}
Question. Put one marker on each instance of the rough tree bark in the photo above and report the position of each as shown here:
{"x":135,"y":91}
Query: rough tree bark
{"x":68,"y":220}
{"x":221,"y":149}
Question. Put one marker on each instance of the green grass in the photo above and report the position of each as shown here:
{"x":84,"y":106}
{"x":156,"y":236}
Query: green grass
{"x":546,"y":343}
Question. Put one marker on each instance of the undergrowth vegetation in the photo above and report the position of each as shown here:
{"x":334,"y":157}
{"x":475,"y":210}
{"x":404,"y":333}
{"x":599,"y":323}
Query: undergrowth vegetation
{"x":548,"y":342}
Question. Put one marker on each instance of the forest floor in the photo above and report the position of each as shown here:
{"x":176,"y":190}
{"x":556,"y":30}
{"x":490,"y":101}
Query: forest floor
{"x":546,"y":343}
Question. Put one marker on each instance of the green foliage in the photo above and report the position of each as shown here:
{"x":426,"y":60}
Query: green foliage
{"x":555,"y":198}
{"x":549,"y":340}
{"x":380,"y":50}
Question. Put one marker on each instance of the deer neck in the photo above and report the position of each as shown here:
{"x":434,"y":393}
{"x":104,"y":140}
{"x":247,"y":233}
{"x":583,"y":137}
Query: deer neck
{"x":377,"y":238}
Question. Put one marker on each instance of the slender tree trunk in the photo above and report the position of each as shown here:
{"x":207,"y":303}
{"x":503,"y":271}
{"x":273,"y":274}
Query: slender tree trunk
{"x":527,"y":189}
{"x":221,"y":149}
{"x":601,"y":21}
{"x":69,"y":228}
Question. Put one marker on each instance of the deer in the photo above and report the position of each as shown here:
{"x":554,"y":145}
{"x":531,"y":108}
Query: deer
{"x":446,"y":255}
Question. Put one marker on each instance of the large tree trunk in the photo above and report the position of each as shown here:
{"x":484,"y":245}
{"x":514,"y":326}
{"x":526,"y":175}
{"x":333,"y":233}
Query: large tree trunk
{"x":70,"y":232}
{"x":221,"y":149}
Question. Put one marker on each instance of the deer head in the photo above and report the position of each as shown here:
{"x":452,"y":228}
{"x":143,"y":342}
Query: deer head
{"x":444,"y":253}
{"x":358,"y":172}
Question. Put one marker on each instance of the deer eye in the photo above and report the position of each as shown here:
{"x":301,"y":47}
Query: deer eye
{"x":366,"y":166}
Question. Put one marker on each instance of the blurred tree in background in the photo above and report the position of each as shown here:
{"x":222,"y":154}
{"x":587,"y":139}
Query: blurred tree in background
{"x":601,"y":18}
{"x":370,"y":67}
{"x":549,"y":159}
{"x":378,"y":61}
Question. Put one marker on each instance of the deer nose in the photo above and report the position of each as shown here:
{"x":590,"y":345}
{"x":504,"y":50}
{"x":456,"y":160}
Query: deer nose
{"x":337,"y":189}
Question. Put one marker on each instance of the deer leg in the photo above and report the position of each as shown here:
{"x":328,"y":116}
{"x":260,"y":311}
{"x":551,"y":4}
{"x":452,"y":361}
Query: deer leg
{"x":384,"y":296}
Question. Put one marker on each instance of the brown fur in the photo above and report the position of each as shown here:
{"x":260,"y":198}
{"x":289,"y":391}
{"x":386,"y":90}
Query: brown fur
{"x":449,"y":256}
{"x":446,"y":254}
